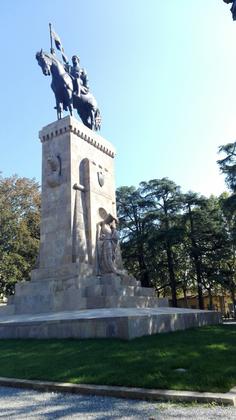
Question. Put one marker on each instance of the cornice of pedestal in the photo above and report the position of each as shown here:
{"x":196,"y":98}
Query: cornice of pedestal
{"x":72,"y":125}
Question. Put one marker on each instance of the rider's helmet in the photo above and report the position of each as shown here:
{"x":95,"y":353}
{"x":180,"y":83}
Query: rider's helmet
{"x":75,"y":57}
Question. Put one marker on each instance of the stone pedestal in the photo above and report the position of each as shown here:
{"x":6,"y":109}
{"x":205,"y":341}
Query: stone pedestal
{"x":77,"y":182}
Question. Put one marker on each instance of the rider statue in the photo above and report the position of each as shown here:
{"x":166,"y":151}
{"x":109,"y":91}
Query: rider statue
{"x":233,"y":8}
{"x":79,"y":76}
{"x":69,"y":84}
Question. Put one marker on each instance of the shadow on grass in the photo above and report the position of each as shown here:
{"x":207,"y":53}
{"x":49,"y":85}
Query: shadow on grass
{"x":208,"y":354}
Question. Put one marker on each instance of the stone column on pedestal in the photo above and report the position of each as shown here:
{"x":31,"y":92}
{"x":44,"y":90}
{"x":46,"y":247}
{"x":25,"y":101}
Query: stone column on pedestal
{"x":77,"y":180}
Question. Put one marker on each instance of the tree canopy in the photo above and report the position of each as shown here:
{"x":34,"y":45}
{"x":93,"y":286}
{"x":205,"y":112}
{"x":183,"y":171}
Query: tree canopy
{"x":19,"y":233}
{"x":178,"y":243}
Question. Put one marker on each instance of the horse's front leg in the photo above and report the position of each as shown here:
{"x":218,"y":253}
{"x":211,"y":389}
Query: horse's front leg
{"x":69,"y":101}
{"x":58,"y":107}
{"x":59,"y":110}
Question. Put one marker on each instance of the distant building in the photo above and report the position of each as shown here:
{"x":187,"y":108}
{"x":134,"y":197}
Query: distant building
{"x":218,"y":303}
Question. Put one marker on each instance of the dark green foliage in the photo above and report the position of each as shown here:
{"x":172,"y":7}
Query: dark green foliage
{"x":227,"y":255}
{"x":133,"y":212}
{"x":208,"y":354}
{"x":165,"y":204}
{"x":19,"y":230}
{"x":228,"y":164}
{"x":180,"y":243}
{"x":204,"y":240}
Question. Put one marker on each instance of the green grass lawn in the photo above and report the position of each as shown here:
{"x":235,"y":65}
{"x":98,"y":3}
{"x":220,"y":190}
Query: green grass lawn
{"x":208,"y":354}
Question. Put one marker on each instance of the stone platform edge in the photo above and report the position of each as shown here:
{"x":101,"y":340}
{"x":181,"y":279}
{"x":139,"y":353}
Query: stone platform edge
{"x":228,"y":398}
{"x":123,"y":323}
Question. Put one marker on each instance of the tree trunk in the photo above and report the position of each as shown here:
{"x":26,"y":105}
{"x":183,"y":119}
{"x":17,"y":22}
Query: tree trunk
{"x":185,"y":297}
{"x":197,"y":261}
{"x":197,"y":264}
{"x":171,"y":275}
{"x":210,"y":299}
{"x":199,"y":292}
{"x":144,"y":274}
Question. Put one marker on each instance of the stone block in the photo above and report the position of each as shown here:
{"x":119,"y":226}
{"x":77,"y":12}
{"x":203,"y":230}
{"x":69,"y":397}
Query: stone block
{"x":124,"y":323}
{"x":7,"y":309}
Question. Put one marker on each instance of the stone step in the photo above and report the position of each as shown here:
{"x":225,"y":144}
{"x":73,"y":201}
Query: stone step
{"x":74,"y":300}
{"x":92,"y":285}
{"x":123,"y":302}
{"x":52,"y":302}
{"x":127,"y":280}
{"x":145,"y":291}
{"x":107,"y":290}
{"x":137,"y":302}
{"x":7,"y":309}
{"x":60,"y":294}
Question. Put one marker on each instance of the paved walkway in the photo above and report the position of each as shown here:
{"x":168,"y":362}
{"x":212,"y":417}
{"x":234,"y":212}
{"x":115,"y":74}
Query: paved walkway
{"x":17,"y":404}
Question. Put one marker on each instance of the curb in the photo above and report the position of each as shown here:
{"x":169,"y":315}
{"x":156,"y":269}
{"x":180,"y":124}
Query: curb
{"x":228,"y":398}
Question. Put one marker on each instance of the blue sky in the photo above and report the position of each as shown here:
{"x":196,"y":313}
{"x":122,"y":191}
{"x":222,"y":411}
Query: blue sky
{"x":163,"y":73}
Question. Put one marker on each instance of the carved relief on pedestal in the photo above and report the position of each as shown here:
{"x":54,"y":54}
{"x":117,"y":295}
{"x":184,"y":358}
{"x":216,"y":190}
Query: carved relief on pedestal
{"x":54,"y":170}
{"x":79,"y":240}
{"x":101,"y":178}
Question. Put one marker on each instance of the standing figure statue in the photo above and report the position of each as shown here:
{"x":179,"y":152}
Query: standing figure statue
{"x":70,"y":85}
{"x":233,"y":8}
{"x":107,"y":244}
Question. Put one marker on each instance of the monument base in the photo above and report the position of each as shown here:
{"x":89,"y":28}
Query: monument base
{"x":71,"y":304}
{"x":72,"y":289}
{"x":123,"y":323}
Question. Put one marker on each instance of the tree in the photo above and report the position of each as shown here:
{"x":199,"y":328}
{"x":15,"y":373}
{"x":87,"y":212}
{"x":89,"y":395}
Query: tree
{"x":175,"y":241}
{"x":205,"y":239}
{"x":194,"y":217}
{"x":228,"y":164}
{"x":227,"y":260}
{"x":165,"y":201}
{"x":228,"y":168}
{"x":132,"y":211}
{"x":19,"y":234}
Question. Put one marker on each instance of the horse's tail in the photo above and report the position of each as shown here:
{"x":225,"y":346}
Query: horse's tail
{"x":97,"y":119}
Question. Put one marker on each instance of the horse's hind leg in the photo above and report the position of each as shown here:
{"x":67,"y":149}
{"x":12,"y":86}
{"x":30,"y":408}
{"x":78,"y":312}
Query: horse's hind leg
{"x":59,"y":109}
{"x":69,"y":102}
{"x":92,"y":119}
{"x":97,"y":120}
{"x":71,"y":109}
{"x":84,"y":116}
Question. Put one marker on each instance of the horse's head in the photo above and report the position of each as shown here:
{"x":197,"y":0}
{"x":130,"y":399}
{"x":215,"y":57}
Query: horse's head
{"x":44,"y":62}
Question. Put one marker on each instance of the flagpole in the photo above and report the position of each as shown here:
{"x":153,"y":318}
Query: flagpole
{"x":50,"y":30}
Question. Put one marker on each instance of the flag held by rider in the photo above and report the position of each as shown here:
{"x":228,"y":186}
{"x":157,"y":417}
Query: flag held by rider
{"x":58,"y":43}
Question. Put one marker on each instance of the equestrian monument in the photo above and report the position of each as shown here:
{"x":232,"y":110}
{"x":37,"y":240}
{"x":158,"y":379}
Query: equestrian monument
{"x":79,"y":287}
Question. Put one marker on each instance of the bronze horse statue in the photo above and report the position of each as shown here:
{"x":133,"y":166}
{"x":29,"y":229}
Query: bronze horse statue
{"x":66,"y":99}
{"x":233,"y":8}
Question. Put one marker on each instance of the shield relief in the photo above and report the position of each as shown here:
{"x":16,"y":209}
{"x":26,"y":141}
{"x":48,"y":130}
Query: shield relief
{"x":101,"y":178}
